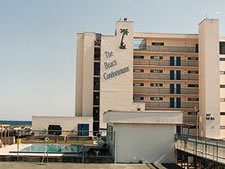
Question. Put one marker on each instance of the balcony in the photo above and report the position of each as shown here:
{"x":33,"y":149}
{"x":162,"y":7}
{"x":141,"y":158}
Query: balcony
{"x":161,"y":76}
{"x":165,"y":105}
{"x":179,"y":49}
{"x":149,"y":90}
{"x":188,"y":63}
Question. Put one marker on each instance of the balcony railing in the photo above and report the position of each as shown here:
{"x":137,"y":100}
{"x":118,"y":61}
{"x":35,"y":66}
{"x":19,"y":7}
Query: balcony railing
{"x":188,"y":63}
{"x":189,"y":119}
{"x":182,"y":49}
{"x":149,"y":90}
{"x":162,"y":76}
{"x":159,"y":105}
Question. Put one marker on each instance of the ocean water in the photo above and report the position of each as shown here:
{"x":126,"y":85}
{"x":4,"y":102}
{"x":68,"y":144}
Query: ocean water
{"x":16,"y":123}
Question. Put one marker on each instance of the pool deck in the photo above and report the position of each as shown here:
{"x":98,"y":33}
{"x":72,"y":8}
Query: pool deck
{"x":6,"y":150}
{"x":23,"y":165}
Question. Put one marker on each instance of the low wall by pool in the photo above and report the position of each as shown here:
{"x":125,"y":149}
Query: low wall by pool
{"x":53,"y":153}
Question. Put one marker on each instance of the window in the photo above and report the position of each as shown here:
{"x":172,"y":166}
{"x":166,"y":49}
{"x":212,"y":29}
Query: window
{"x":222,"y":86}
{"x":191,"y":113}
{"x":138,"y":70}
{"x":222,"y":59}
{"x":222,"y":47}
{"x":138,"y":84}
{"x":96,"y":98}
{"x":138,"y":98}
{"x":138,"y":57}
{"x":193,"y":99}
{"x":222,"y":72}
{"x":196,"y":48}
{"x":139,"y":44}
{"x":54,"y":130}
{"x":157,"y":43}
{"x":98,"y":39}
{"x":96,"y":68}
{"x":95,"y":127}
{"x":97,"y":54}
{"x":156,"y":84}
{"x":192,"y":71}
{"x":96,"y":83}
{"x":110,"y":132}
{"x":156,"y":57}
{"x":156,"y":98}
{"x":156,"y":71}
{"x":222,"y":99}
{"x":96,"y":113}
{"x":192,"y":58}
{"x":222,"y":113}
{"x":192,"y":85}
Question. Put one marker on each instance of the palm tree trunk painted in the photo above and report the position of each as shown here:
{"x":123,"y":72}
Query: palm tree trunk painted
{"x":121,"y":43}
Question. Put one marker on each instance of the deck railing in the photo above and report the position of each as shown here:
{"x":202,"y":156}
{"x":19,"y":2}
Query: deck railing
{"x":212,"y":149}
{"x":179,"y":49}
{"x":150,"y":90}
{"x":149,"y":105}
{"x":162,"y":76}
{"x":188,"y":63}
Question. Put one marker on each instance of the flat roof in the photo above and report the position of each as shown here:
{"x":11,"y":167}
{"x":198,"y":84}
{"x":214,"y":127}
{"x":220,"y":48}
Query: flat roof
{"x":165,"y":35}
{"x":143,"y":117}
{"x":61,"y":117}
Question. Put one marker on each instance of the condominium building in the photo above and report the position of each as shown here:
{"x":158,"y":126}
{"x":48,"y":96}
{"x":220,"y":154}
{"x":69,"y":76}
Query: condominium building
{"x":133,"y":71}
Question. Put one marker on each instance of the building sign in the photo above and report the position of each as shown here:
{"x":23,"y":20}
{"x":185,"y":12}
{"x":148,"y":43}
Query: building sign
{"x":124,"y":32}
{"x":110,"y":64}
{"x":209,"y":117}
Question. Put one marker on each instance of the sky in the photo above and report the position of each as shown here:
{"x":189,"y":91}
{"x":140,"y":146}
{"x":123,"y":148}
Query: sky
{"x":38,"y":44}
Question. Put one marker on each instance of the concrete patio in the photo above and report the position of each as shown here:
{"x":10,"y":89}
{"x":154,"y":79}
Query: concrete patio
{"x":23,"y":165}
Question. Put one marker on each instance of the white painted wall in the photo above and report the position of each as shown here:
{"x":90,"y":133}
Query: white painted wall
{"x":144,"y":142}
{"x":67,"y":123}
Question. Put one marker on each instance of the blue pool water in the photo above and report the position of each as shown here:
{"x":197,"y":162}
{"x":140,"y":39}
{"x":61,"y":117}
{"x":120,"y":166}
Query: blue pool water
{"x":53,"y":148}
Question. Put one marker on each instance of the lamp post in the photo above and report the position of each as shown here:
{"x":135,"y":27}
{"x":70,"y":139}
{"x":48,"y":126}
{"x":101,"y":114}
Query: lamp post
{"x":197,"y":133}
{"x":197,"y":120}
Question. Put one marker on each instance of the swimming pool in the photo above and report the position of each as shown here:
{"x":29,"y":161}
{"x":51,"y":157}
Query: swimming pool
{"x":53,"y":148}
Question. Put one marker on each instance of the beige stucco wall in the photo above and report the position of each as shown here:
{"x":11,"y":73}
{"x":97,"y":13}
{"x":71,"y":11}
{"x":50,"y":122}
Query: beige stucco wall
{"x":85,"y":73}
{"x":79,"y":74}
{"x":209,"y":81}
{"x":88,"y":69}
{"x":117,"y":92}
{"x":222,"y":95}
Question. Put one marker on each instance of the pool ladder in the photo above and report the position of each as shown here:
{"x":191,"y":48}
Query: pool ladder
{"x":45,"y":152}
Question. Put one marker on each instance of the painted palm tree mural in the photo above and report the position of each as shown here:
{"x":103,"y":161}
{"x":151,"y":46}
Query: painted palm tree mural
{"x":124,"y":32}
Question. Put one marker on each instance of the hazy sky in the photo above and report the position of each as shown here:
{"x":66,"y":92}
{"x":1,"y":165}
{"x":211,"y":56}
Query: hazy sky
{"x":37,"y":44}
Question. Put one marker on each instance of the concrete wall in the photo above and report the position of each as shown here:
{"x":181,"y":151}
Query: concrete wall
{"x":209,"y":81}
{"x":79,"y":74}
{"x":144,"y":142}
{"x":88,"y":73}
{"x":67,"y":123}
{"x":85,"y":73}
